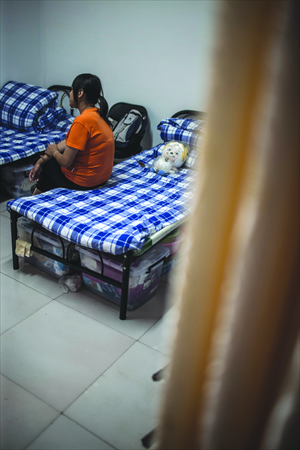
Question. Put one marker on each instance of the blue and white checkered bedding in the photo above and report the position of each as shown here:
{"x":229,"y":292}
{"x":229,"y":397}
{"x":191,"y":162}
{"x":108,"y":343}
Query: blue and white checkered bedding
{"x":133,"y":204}
{"x":22,"y":104}
{"x":15,"y":145}
{"x":187,"y":131}
{"x":30,"y":120}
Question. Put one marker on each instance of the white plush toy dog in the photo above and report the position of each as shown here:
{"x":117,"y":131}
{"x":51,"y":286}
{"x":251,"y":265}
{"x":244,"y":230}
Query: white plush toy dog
{"x":173,"y":156}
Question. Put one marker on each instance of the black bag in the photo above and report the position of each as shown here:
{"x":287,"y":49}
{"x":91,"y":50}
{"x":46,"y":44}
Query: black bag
{"x":129,"y":125}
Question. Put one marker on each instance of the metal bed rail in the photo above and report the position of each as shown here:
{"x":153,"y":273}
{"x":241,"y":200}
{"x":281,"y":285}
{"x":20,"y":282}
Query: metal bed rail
{"x":127,"y":260}
{"x":124,"y":285}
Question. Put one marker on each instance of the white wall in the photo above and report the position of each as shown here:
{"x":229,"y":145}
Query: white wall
{"x":153,"y":53}
{"x":20,"y":42}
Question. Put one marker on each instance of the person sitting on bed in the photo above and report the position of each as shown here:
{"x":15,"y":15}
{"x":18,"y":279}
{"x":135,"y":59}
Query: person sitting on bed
{"x":83,"y":160}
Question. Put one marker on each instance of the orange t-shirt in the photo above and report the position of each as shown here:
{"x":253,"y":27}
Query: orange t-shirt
{"x":93,"y":163}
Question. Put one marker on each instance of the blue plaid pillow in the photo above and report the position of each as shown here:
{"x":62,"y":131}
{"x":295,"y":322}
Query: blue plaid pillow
{"x":22,"y":104}
{"x":183,"y":124}
{"x":187,"y":131}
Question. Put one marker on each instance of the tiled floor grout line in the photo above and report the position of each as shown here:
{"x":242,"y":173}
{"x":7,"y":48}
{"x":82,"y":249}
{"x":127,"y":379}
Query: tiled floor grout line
{"x":81,"y":426}
{"x":103,"y":375}
{"x":99,"y":437}
{"x":155,"y":349}
{"x":88,"y":387}
{"x":25,"y":318}
{"x":34,"y":395}
{"x":30,"y":287}
{"x":60,"y":295}
{"x":99,"y":376}
{"x":153,"y":325}
{"x":74,"y":421}
{"x":98,"y":321}
{"x":64,"y":411}
{"x":78,"y":424}
{"x":42,"y":433}
{"x":89,"y":431}
{"x":73,"y":309}
{"x":85,"y":389}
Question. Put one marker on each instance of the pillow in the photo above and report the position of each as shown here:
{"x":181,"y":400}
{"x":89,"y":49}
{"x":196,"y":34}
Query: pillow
{"x":22,"y":104}
{"x":187,"y":131}
{"x":183,"y":124}
{"x":190,"y":162}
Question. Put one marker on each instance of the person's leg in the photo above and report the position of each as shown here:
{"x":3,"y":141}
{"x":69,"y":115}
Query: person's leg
{"x":48,"y":176}
{"x":52,"y":177}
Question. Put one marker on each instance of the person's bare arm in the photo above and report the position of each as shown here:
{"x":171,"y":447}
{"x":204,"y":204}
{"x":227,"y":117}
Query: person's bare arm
{"x":36,"y":170}
{"x":61,"y":146}
{"x":66,"y":158}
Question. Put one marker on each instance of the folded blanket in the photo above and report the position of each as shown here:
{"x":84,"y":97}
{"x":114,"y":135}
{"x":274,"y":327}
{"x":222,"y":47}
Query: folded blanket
{"x":22,"y":105}
{"x":183,"y":124}
{"x":187,"y":131}
{"x":51,"y":118}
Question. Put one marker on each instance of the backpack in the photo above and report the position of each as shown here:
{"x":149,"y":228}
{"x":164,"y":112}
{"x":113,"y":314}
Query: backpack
{"x":128,"y":126}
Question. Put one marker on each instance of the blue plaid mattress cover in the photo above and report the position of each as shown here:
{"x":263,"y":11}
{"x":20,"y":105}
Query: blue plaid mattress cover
{"x":133,"y":204}
{"x":15,"y":145}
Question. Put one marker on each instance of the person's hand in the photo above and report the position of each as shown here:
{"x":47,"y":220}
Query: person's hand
{"x":51,"y":149}
{"x":35,"y":171}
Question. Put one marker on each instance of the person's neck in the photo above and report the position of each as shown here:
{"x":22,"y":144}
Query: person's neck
{"x":82,"y":107}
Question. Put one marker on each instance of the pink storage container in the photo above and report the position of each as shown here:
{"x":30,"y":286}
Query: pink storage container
{"x":174,"y":246}
{"x":143,"y":282}
{"x":175,"y":253}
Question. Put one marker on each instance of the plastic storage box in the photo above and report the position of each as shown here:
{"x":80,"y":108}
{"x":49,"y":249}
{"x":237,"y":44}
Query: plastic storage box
{"x":171,"y":262}
{"x":172,"y":242}
{"x":143,"y":280}
{"x":47,"y":241}
{"x":14,"y":179}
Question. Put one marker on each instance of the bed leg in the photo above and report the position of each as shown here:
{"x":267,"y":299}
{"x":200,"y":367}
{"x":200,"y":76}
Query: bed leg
{"x":125,"y":284}
{"x":14,"y":236}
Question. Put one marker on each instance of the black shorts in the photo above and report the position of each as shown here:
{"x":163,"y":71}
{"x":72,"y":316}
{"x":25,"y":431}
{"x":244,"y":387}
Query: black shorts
{"x":52,"y":177}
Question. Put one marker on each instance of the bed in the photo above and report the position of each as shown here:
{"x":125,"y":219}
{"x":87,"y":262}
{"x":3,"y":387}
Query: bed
{"x":31,"y":119}
{"x":133,"y":211}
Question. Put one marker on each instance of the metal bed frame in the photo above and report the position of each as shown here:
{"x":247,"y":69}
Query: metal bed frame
{"x":65,"y":93}
{"x":65,"y":259}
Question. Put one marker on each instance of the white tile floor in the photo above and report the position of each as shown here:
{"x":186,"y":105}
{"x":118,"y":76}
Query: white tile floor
{"x":74,"y":376}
